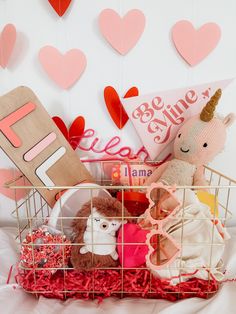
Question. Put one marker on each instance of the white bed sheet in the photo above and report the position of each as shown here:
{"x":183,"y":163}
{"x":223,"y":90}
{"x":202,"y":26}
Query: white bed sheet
{"x":13,"y":300}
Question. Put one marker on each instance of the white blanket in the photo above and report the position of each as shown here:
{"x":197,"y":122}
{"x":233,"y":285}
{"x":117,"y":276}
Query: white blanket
{"x":203,"y":244}
{"x":13,"y":300}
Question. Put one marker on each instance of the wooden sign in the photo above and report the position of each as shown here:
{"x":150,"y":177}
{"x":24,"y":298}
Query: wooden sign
{"x":34,"y":143}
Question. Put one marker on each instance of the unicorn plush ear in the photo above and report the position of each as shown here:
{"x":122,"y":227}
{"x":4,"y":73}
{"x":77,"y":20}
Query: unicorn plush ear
{"x":229,"y":119}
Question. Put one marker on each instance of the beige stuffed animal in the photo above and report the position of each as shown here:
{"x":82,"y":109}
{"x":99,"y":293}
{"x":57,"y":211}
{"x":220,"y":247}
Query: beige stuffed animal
{"x":198,"y":141}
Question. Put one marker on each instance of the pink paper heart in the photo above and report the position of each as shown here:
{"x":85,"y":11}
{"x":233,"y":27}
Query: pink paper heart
{"x":134,"y":254}
{"x":7,"y":43}
{"x":64,"y":70}
{"x":7,"y":175}
{"x":122,"y":33}
{"x":195,"y":45}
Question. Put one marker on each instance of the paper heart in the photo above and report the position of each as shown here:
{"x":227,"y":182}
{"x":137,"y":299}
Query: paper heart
{"x":7,"y":175}
{"x":134,"y":254}
{"x":195,"y":45}
{"x":75,"y":132}
{"x":7,"y":43}
{"x":60,"y":6}
{"x":122,"y":33}
{"x":115,"y":107}
{"x":61,"y":126}
{"x":66,"y":69}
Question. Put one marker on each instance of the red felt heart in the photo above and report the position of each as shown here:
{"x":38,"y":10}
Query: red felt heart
{"x":75,"y":132}
{"x":115,"y":107}
{"x":134,"y":249}
{"x":60,"y":6}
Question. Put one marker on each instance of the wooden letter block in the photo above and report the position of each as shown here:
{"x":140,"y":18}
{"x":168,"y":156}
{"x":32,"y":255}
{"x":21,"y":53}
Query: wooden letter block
{"x":37,"y":147}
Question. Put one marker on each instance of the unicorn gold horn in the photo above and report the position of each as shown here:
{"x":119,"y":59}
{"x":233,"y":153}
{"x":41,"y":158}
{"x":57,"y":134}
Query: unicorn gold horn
{"x":207,"y":113}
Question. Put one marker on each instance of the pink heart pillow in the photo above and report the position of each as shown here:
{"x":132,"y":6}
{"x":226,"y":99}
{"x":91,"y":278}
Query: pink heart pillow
{"x":134,"y":254}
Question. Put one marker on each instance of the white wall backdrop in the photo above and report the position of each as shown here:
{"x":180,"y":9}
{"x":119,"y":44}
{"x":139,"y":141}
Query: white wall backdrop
{"x":152,"y":65}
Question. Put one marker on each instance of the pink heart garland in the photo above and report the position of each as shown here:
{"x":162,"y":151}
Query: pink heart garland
{"x":195,"y":45}
{"x":7,"y":43}
{"x":64,"y":70}
{"x":134,"y":254}
{"x":7,"y":175}
{"x":122,"y":33}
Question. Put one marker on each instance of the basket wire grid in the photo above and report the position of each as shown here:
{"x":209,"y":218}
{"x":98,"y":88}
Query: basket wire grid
{"x":33,"y":211}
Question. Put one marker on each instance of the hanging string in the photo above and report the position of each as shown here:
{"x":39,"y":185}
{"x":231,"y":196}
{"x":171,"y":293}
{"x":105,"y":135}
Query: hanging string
{"x":190,"y":70}
{"x":5,"y":72}
{"x":122,"y":65}
{"x":67,"y":47}
{"x":61,"y":45}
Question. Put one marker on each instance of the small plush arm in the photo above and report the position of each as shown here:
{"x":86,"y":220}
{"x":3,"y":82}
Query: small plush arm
{"x":155,"y":176}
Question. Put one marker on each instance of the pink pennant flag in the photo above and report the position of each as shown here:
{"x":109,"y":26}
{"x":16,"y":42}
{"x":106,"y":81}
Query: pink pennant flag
{"x":157,"y":117}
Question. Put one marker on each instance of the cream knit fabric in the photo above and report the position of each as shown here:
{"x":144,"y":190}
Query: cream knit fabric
{"x":178,"y":172}
{"x":199,"y":257}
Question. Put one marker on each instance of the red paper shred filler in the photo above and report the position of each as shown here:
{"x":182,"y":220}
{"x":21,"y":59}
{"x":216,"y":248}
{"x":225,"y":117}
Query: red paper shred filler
{"x":104,"y":283}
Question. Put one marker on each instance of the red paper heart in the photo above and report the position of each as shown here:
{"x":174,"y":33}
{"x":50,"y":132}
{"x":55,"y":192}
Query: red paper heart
{"x":74,"y":134}
{"x":60,"y":6}
{"x":7,"y":175}
{"x":115,"y":107}
{"x":61,"y":126}
{"x":76,"y":131}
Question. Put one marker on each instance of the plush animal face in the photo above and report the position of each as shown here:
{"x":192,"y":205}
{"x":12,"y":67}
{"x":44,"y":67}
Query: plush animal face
{"x":99,"y":223}
{"x":201,"y":138}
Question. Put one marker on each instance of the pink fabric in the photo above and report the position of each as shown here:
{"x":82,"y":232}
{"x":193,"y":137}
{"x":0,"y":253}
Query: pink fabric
{"x":134,"y":254}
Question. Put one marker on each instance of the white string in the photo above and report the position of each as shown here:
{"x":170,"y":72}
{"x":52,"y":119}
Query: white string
{"x":67,"y":47}
{"x":5,"y":72}
{"x":190,"y":69}
{"x":62,"y":45}
{"x":122,"y":65}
